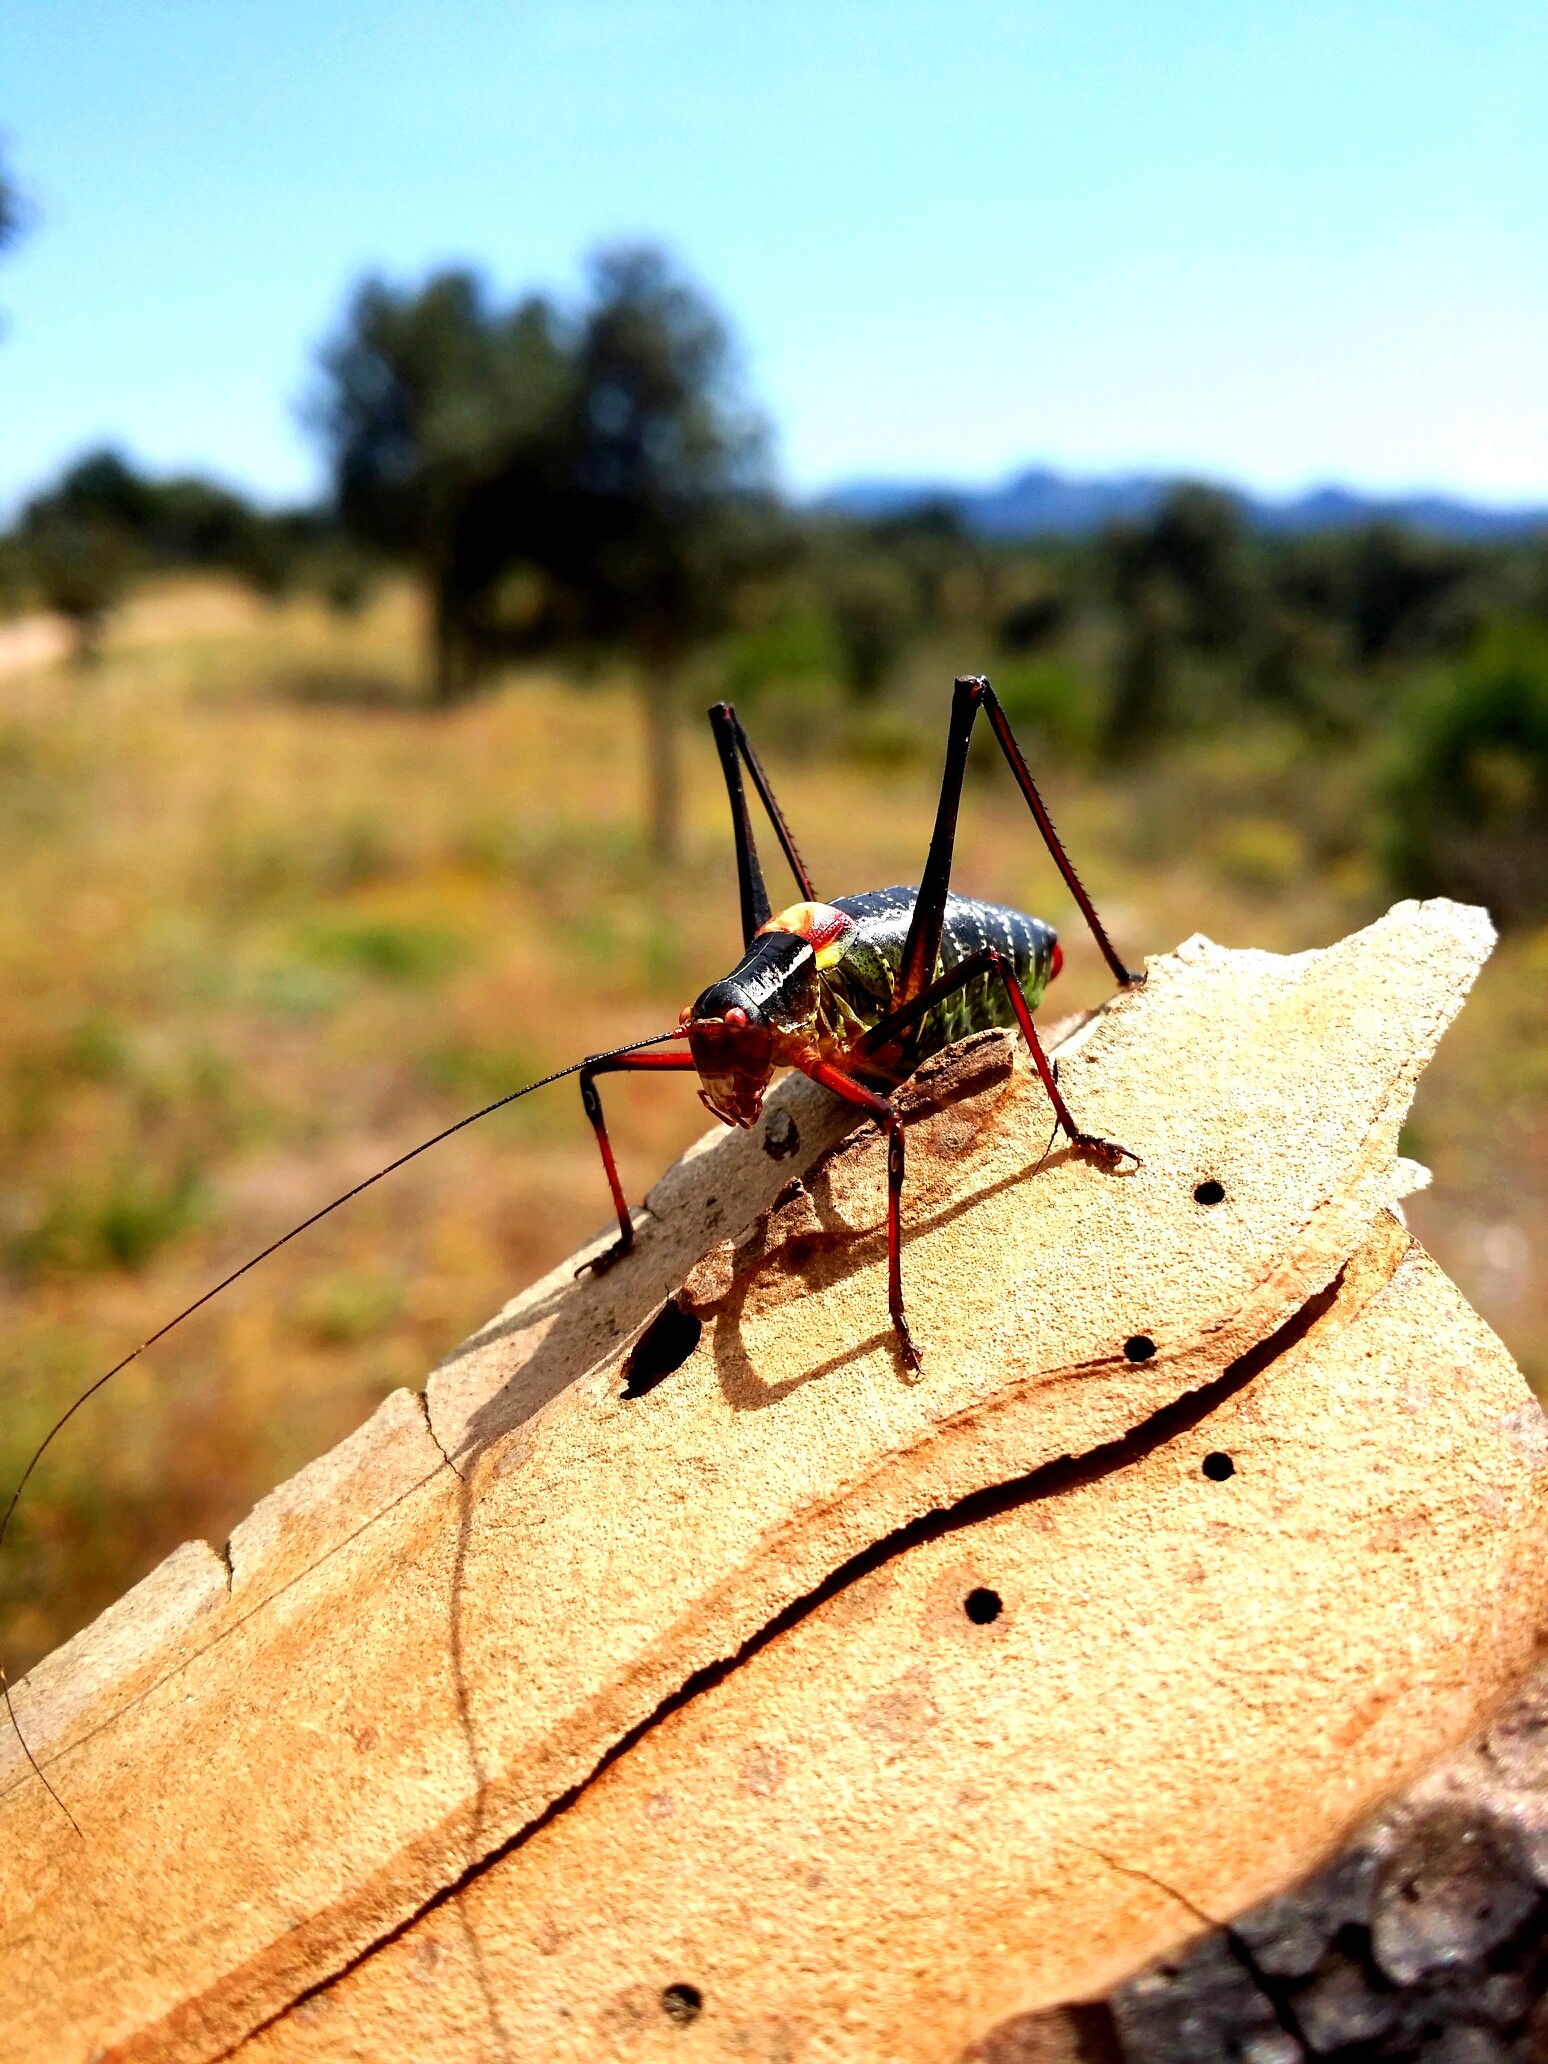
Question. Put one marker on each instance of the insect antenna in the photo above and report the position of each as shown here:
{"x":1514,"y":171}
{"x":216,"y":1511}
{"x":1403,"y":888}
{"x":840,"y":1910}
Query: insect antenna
{"x":225,"y":1283}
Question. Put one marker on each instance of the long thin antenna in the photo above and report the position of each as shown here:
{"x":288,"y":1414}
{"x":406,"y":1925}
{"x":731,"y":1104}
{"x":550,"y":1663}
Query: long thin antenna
{"x":225,"y":1283}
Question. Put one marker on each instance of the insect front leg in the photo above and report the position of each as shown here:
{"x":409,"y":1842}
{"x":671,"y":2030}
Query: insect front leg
{"x":616,"y":1064}
{"x":891,"y":1124}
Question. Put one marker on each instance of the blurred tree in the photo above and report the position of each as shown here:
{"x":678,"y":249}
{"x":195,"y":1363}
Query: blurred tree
{"x":14,"y":570}
{"x":1393,"y":592}
{"x":14,"y":213}
{"x":931,"y":547}
{"x":870,"y":601}
{"x":1181,"y":581}
{"x":666,"y":507}
{"x":104,"y":521}
{"x":1034,"y":621}
{"x":11,"y":212}
{"x":596,"y":485}
{"x":79,"y":563}
{"x":180,"y":522}
{"x":1469,"y":798}
{"x":440,"y":413}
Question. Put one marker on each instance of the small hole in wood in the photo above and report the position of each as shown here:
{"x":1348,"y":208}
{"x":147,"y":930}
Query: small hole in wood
{"x":665,"y":1345}
{"x":983,"y":1606}
{"x":1140,"y":1348}
{"x":1210,"y":1192}
{"x":1218,"y":1467}
{"x":682,"y":2003}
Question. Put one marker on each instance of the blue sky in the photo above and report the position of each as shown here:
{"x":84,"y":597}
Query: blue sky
{"x":1282,"y":242}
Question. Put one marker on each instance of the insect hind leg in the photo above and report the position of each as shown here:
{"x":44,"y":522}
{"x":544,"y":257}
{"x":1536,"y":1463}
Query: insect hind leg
{"x":921,"y":952}
{"x":991,"y":961}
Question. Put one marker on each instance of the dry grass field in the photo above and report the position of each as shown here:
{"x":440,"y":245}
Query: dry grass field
{"x":266,"y":922}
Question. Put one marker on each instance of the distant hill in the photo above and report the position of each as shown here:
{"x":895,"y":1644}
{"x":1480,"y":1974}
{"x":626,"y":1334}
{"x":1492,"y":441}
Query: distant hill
{"x":1042,"y":503}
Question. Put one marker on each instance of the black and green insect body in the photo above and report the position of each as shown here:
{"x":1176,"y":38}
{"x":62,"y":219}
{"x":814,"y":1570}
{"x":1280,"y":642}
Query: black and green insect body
{"x":857,"y":992}
{"x":866,"y":982}
{"x":817,"y":977}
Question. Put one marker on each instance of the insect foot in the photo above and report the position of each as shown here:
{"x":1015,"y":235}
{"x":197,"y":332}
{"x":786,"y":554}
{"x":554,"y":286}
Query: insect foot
{"x":599,"y":1264}
{"x":913,"y":1361}
{"x":1106,"y":1153}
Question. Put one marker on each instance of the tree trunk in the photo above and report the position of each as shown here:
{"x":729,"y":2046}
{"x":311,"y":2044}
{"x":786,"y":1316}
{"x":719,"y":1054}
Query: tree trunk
{"x":450,"y":675}
{"x":88,"y":627}
{"x":663,"y":758}
{"x":1141,"y":690}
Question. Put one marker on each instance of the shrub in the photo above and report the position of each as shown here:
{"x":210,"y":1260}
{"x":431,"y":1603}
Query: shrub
{"x":412,"y":954}
{"x":1469,"y":794}
{"x":122,"y":1221}
{"x":1053,"y":708}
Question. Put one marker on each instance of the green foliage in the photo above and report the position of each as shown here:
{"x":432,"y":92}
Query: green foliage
{"x":120,"y":1222}
{"x":1392,"y":592}
{"x":796,"y":647}
{"x":411,"y":954}
{"x":942,"y":566}
{"x":104,"y":522}
{"x":1469,"y":796}
{"x":1182,"y":583}
{"x":81,"y":564}
{"x":1033,"y":621}
{"x":872,"y":605}
{"x":350,"y":1306}
{"x":1052,"y":706}
{"x":181,"y":522}
{"x":442,"y":418}
{"x":662,"y":513}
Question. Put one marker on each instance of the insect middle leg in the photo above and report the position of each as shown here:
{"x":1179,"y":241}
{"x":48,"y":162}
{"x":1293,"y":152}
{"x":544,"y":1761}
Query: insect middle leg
{"x":879,"y":1108}
{"x":618,"y":1064}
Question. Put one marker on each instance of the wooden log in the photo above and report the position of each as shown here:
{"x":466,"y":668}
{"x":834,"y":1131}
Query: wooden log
{"x":585,"y":1678}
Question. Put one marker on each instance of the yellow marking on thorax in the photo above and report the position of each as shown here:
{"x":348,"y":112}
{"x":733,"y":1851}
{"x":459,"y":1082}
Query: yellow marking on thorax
{"x":825,"y":929}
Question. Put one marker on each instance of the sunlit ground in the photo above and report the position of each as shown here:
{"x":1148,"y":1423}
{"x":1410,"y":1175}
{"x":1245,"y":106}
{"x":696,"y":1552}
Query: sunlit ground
{"x":266,"y":923}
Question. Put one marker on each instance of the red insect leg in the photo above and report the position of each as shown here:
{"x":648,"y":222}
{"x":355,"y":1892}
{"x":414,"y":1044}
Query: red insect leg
{"x":637,"y":1063}
{"x":834,"y":1078}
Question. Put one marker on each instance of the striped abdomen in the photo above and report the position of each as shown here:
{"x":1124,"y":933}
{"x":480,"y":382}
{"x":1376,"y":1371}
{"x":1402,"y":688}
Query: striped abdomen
{"x":866,"y":978}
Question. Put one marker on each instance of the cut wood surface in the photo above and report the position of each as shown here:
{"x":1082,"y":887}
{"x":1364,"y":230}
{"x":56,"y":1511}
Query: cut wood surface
{"x":893,"y":1828}
{"x":360,"y":1756}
